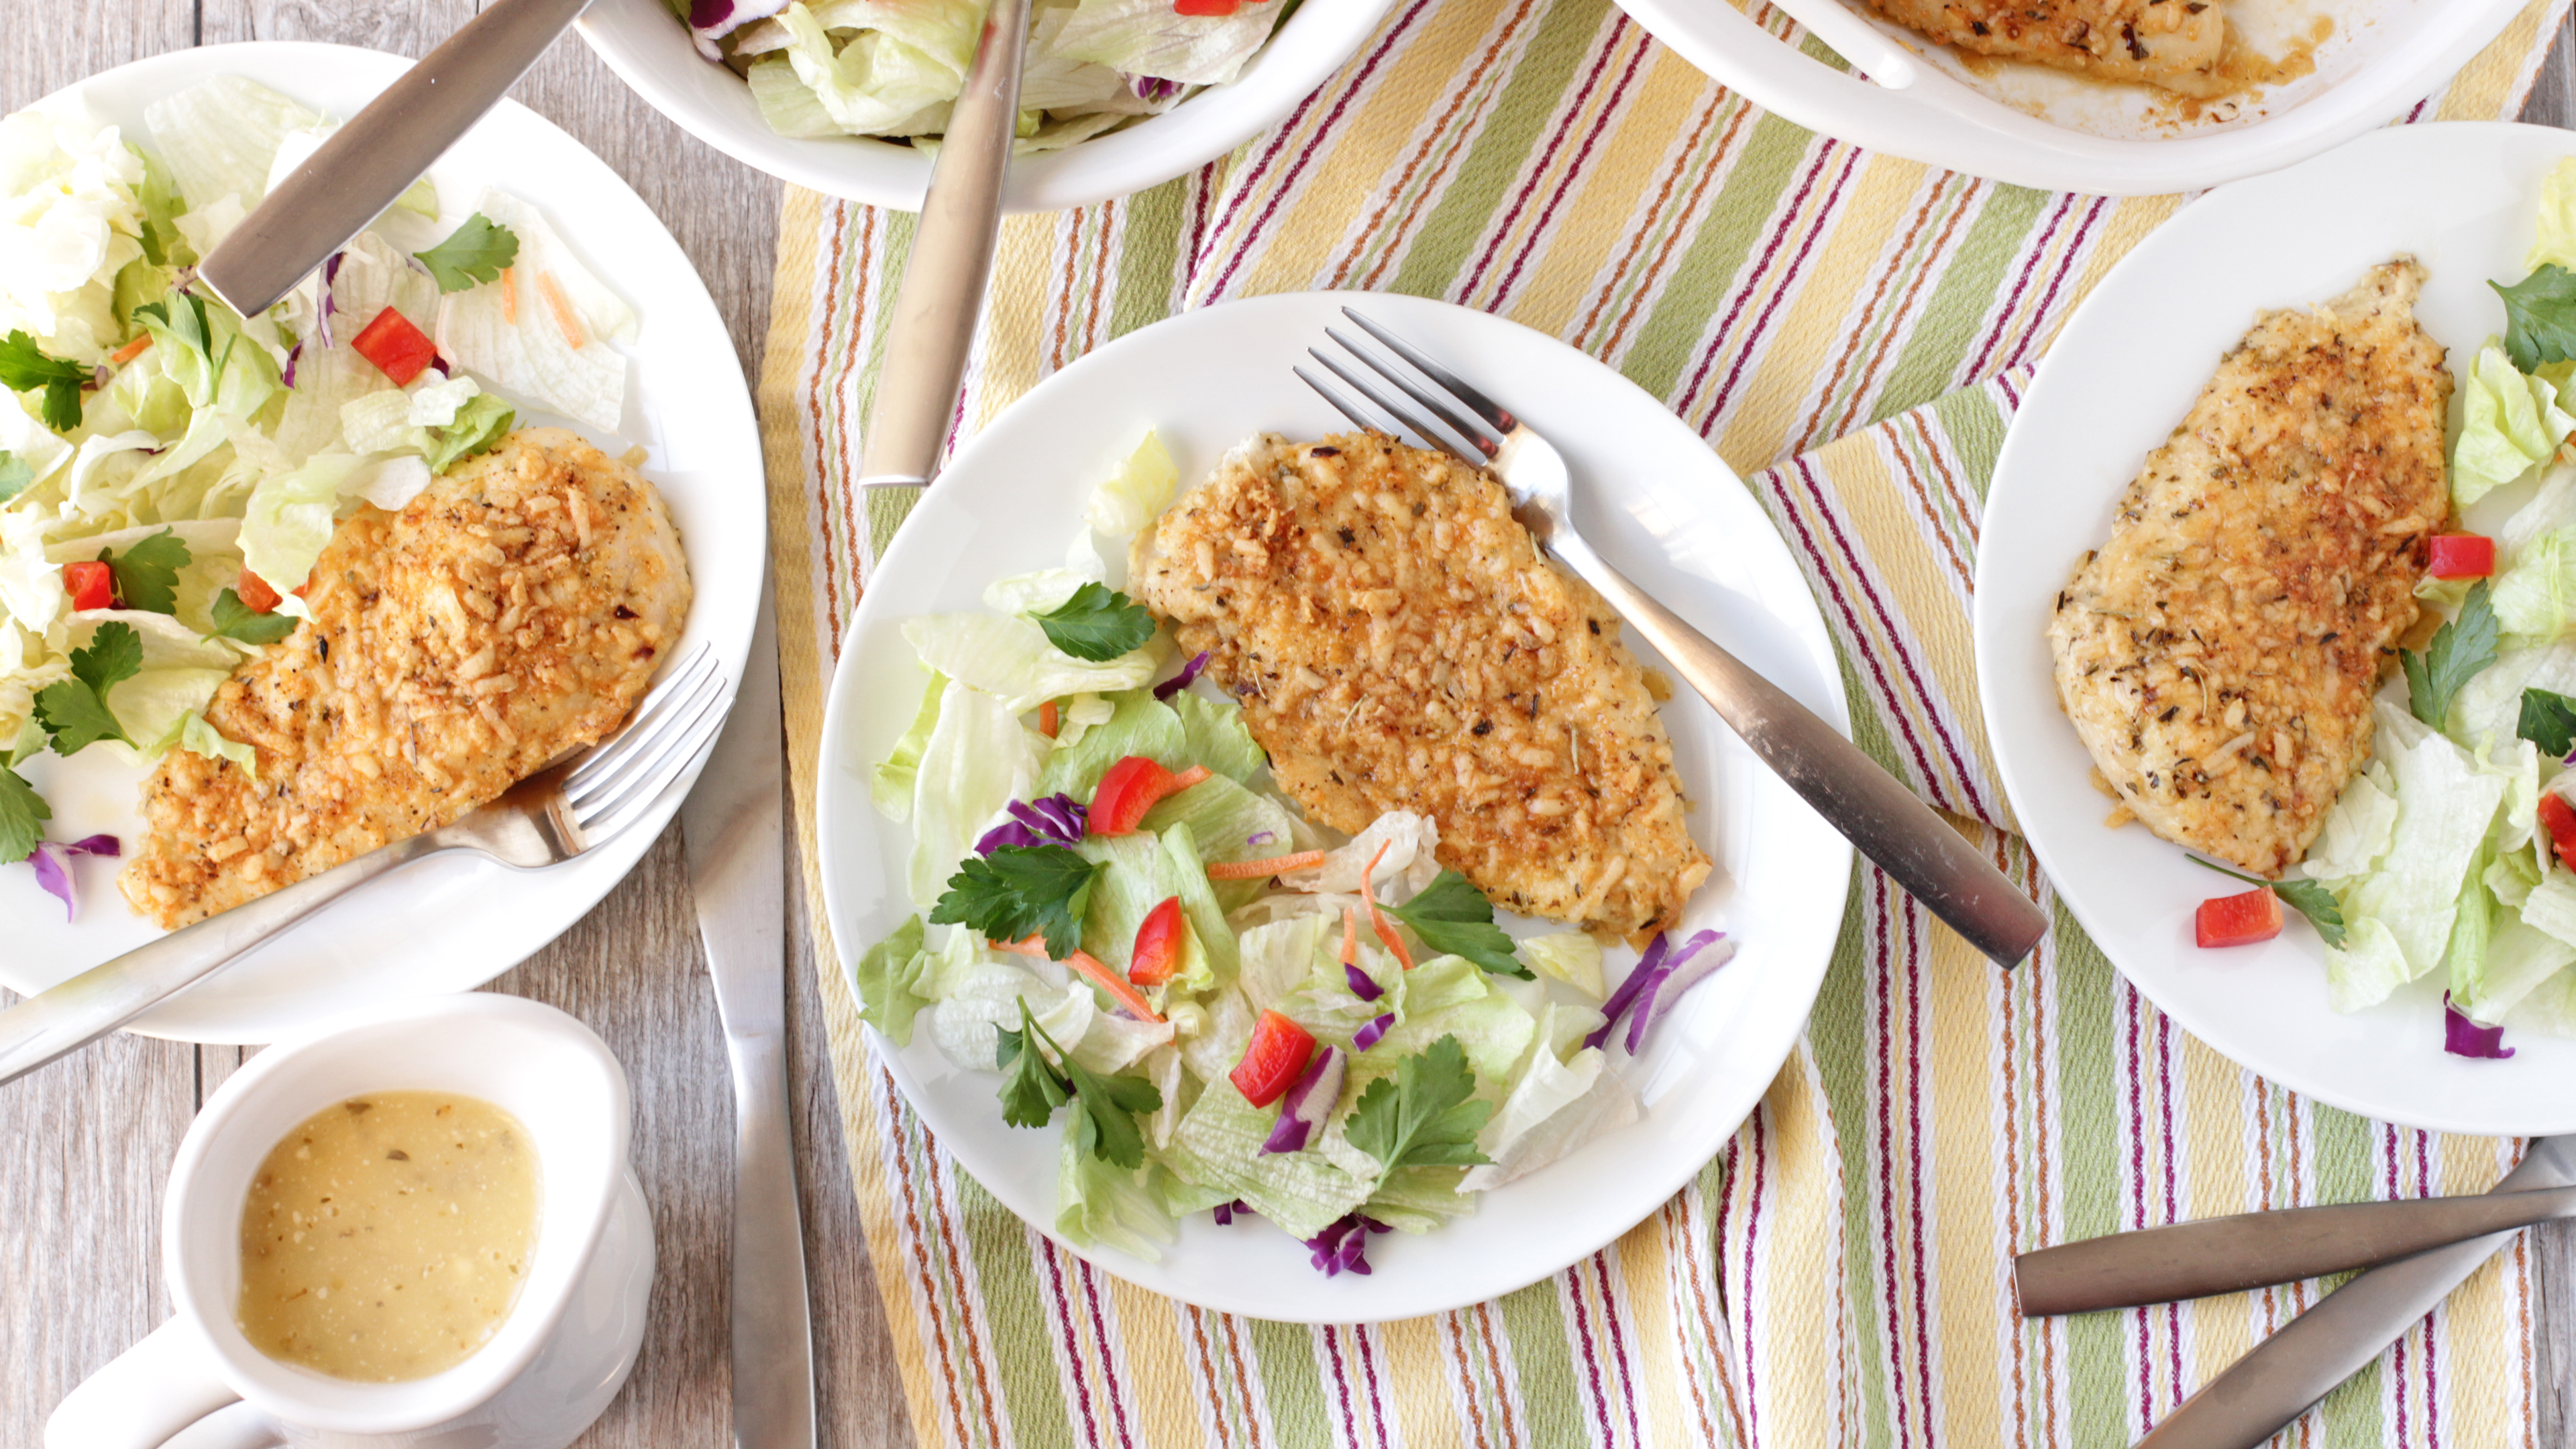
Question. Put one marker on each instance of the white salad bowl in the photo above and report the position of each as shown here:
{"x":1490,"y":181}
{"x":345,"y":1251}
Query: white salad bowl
{"x":1654,"y":499}
{"x":2033,"y":127}
{"x":650,"y":49}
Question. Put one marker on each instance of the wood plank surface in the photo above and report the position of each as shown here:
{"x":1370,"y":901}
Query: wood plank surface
{"x":92,"y":1137}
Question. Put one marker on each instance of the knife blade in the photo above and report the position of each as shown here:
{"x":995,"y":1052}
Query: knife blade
{"x":732,"y":824}
{"x":382,"y":150}
{"x":2289,"y":1372}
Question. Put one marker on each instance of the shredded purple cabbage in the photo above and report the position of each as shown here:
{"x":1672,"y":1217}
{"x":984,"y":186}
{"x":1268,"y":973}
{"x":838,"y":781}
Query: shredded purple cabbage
{"x":1343,"y":1246}
{"x":1629,"y":988}
{"x":1058,"y":819}
{"x":52,"y":863}
{"x":322,"y":318}
{"x":1181,"y":681}
{"x":1264,"y":838}
{"x":1302,"y":1107}
{"x":713,"y":20}
{"x":1363,"y":985}
{"x":1675,"y":977}
{"x":1373,"y":1033}
{"x":1225,"y":1212}
{"x":288,"y":376}
{"x":1154,"y":88}
{"x":2462,"y":1037}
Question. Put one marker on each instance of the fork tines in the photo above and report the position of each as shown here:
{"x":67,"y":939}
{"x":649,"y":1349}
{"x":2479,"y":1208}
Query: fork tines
{"x":1430,"y":413}
{"x":667,"y":731}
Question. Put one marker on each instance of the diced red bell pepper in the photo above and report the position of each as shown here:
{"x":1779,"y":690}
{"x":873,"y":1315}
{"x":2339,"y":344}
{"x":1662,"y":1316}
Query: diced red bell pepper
{"x":2462,"y":556}
{"x":1204,"y":7}
{"x":2560,"y":820}
{"x":2238,"y":920}
{"x":1273,"y":1061}
{"x":397,"y":348}
{"x":1159,"y":943}
{"x":91,"y":585}
{"x":255,"y":593}
{"x":1130,"y":788}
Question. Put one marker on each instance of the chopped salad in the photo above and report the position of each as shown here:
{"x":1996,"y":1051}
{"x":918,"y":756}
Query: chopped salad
{"x":169,"y":469}
{"x":2453,"y":851}
{"x":1116,"y":913}
{"x":893,"y":68}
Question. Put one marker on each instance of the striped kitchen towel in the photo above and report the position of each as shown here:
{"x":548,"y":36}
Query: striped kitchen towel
{"x":1837,"y":1276}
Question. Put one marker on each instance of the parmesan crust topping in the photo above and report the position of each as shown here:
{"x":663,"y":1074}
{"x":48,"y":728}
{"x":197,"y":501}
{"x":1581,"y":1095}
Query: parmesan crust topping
{"x":1399,"y":643}
{"x":515,"y":610}
{"x":2219,"y":653}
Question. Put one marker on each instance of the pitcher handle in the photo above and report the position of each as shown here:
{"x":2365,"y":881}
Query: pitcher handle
{"x":144,"y":1397}
{"x":235,"y":1426}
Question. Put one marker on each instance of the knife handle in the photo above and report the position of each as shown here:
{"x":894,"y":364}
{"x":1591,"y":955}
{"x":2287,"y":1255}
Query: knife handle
{"x":382,"y":150}
{"x":773,"y":1341}
{"x":2251,"y":1250}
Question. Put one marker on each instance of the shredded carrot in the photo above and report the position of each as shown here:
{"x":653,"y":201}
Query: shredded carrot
{"x":565,"y":317}
{"x":1263,"y":869}
{"x":1033,"y":946}
{"x":1185,"y":779}
{"x":1113,"y":983}
{"x":1047,"y":719}
{"x":509,"y":297}
{"x":1350,"y":936}
{"x":1377,"y":918}
{"x":131,"y":350}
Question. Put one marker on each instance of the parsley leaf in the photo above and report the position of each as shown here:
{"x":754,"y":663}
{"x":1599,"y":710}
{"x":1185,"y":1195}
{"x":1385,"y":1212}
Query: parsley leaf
{"x":2540,"y":317}
{"x":2459,"y":650}
{"x":1104,"y":1107}
{"x":1019,"y":891}
{"x":235,"y":620}
{"x":1453,"y":918}
{"x":15,"y":475}
{"x":183,"y":320}
{"x":23,"y":814}
{"x":74,"y":711}
{"x":2309,"y":898}
{"x":1426,"y":1115}
{"x":1098,"y":623}
{"x":1031,"y":1091}
{"x":147,"y":575}
{"x":24,"y":367}
{"x":475,"y":252}
{"x":2549,"y":721}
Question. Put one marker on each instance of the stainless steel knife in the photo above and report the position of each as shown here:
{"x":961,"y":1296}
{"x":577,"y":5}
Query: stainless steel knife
{"x":733,"y":823}
{"x":2288,"y":1372}
{"x":382,"y":150}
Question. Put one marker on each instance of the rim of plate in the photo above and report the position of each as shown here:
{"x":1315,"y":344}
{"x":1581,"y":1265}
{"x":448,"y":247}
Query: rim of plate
{"x":1941,"y":122}
{"x":2024,"y":729}
{"x":845,"y":813}
{"x":650,"y":50}
{"x":723,"y":622}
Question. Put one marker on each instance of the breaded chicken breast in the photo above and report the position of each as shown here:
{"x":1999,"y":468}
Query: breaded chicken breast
{"x":514,"y":610}
{"x":2176,"y":44}
{"x":1399,"y":643}
{"x":2219,"y":653}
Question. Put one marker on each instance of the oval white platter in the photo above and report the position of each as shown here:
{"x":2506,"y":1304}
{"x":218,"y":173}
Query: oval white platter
{"x":2460,"y":198}
{"x":1653,"y":498}
{"x":453,"y":922}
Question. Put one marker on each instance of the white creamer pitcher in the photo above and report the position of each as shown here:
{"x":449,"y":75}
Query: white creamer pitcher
{"x":547,"y":1371}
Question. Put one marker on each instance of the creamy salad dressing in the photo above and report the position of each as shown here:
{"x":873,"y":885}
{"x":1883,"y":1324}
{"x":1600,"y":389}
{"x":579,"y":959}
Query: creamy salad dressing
{"x":387,"y":1236}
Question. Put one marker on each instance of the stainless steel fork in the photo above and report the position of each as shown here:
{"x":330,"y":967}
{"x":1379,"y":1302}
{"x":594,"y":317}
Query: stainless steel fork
{"x":574,"y":805}
{"x":1880,"y":817}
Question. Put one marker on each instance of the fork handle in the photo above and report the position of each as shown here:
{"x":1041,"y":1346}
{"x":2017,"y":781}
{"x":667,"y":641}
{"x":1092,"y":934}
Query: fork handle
{"x":66,"y":1017}
{"x":2252,"y":1250}
{"x":1856,"y":795}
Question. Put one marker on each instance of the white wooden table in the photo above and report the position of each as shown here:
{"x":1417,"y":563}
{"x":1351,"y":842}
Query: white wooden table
{"x":90,"y":1139}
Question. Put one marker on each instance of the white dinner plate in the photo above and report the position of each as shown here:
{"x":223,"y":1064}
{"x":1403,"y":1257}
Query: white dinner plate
{"x":2461,"y":199}
{"x":456,"y":921}
{"x":2034,"y":127}
{"x":1652,"y":497}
